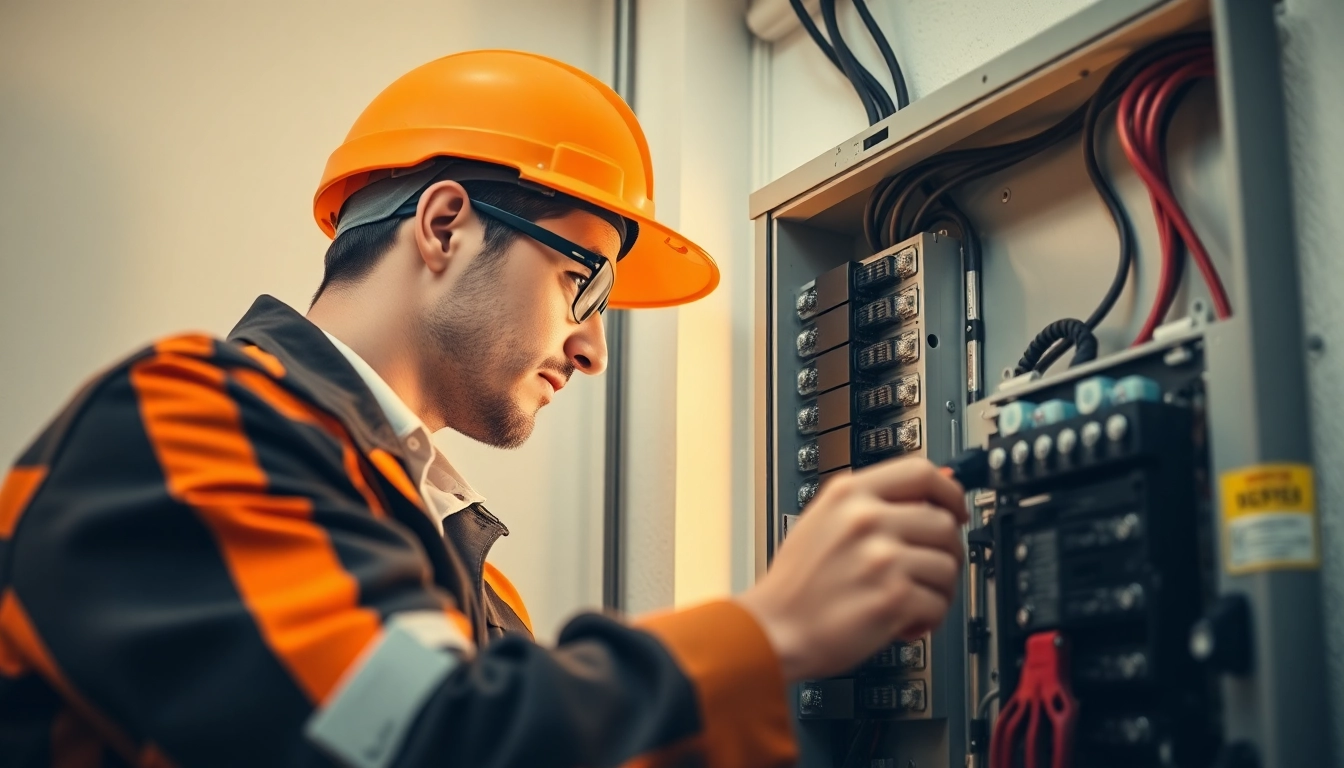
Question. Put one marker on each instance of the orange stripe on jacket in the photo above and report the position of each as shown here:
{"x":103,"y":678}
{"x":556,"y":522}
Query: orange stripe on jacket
{"x":739,"y":686}
{"x":392,"y":469}
{"x":508,"y":593}
{"x":268,"y":361}
{"x":283,"y":401}
{"x":20,"y":485}
{"x":305,"y":604}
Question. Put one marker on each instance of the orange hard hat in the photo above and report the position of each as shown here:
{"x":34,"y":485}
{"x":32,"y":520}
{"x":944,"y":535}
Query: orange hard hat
{"x":558,"y":126}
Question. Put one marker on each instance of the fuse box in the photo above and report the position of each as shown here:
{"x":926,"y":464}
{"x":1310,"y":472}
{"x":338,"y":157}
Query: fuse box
{"x":1145,"y":540}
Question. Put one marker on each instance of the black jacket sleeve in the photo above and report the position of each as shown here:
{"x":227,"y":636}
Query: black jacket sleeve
{"x":203,"y":571}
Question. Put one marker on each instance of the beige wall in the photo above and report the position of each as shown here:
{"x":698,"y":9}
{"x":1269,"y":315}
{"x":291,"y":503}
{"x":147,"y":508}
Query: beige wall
{"x":157,"y":164}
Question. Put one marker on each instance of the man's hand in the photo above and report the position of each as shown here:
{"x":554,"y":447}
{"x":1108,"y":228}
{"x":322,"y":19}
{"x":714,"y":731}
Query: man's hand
{"x":875,"y":558}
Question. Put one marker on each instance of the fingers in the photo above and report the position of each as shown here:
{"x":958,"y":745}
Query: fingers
{"x":931,"y":569}
{"x":923,"y":525}
{"x":913,"y":480}
{"x":919,"y":610}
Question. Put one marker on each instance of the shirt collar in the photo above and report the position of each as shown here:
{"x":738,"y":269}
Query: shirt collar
{"x":437,"y":477}
{"x":399,"y":415}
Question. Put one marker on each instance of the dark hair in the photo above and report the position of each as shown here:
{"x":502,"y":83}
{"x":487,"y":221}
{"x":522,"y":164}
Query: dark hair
{"x":353,"y":255}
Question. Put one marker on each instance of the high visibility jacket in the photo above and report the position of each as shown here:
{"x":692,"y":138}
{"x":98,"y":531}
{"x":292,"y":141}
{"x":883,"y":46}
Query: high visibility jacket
{"x":215,"y":556}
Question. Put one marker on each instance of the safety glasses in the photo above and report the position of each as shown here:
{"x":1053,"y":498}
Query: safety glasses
{"x":593,"y":292}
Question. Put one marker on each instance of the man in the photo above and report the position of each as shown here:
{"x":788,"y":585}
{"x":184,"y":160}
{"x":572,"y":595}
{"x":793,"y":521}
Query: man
{"x":247,"y":551}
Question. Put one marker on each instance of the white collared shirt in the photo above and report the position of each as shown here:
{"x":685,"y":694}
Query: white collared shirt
{"x":444,"y":490}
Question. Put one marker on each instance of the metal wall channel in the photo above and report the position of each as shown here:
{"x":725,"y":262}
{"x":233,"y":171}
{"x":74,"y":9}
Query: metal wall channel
{"x":613,"y":530}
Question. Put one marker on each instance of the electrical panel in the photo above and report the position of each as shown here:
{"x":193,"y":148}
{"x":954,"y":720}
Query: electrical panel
{"x":878,"y":369}
{"x":1103,"y":536}
{"x":1142,"y":578}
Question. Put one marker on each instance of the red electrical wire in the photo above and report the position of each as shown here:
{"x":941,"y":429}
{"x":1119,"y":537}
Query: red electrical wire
{"x":1146,"y":102}
{"x":1136,"y":103}
{"x":1140,"y":120}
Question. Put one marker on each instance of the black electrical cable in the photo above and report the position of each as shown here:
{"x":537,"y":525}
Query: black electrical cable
{"x":898,"y":78}
{"x":887,"y":223}
{"x":970,"y":243}
{"x":877,"y":104}
{"x":852,"y":754}
{"x":1110,"y":90}
{"x":869,"y":83}
{"x":811,"y":26}
{"x":888,"y":55}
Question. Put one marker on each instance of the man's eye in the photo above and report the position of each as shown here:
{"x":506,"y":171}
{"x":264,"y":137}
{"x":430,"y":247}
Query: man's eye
{"x":579,"y":279}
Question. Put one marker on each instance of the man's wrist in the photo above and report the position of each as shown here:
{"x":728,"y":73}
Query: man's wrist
{"x":783,"y":637}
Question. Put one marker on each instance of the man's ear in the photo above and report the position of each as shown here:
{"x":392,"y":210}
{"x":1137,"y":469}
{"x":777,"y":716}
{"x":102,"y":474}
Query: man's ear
{"x":440,"y":223}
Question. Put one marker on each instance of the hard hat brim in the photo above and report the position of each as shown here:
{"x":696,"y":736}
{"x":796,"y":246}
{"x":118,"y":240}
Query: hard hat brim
{"x":662,"y":269}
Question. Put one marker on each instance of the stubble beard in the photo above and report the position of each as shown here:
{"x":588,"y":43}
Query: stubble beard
{"x":473,"y":367}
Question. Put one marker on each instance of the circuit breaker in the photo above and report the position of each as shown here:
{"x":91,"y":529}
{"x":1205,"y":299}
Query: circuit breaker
{"x":1103,"y":536}
{"x":1142,"y":584}
{"x":878,"y":369}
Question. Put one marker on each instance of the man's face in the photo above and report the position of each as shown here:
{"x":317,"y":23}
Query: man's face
{"x":502,"y":342}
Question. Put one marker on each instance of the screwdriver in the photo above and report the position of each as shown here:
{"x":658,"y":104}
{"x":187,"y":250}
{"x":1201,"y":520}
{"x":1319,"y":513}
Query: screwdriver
{"x":970,"y":468}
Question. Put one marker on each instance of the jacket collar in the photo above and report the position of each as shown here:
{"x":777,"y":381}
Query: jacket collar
{"x":315,"y":366}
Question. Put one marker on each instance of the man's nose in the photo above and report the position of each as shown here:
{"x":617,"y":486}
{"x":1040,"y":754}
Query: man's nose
{"x":586,"y":347}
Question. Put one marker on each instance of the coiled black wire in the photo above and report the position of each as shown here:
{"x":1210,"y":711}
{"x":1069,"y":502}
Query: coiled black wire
{"x":1073,"y":331}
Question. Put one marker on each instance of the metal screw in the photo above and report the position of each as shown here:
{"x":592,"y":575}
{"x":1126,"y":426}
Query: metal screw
{"x":1116,"y":427}
{"x":1068,"y":439}
{"x":1007,"y":194}
{"x":1044,"y":444}
{"x":997,"y":458}
{"x":1091,"y":433}
{"x":951,"y":406}
{"x":1127,"y":526}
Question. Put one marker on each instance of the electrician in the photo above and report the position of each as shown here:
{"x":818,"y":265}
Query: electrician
{"x":246,"y":551}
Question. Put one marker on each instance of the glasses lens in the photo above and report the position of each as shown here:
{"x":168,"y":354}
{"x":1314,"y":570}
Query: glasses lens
{"x":593,"y":296}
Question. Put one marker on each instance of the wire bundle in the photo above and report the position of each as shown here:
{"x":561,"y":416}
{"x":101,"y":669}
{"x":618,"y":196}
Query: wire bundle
{"x":1145,"y":112}
{"x":918,"y":197}
{"x":877,"y":102}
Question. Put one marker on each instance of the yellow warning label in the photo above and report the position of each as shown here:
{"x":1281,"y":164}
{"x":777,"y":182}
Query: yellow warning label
{"x":1269,"y":518}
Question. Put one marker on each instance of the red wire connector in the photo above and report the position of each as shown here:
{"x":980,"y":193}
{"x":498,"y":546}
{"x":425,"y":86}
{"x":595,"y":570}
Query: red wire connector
{"x":1040,"y":717}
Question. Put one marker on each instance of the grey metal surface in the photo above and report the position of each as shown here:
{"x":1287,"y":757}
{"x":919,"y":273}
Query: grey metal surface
{"x":613,"y":531}
{"x":1310,"y":31}
{"x":764,"y":365}
{"x":799,"y":254}
{"x":1050,"y":251}
{"x":1257,"y":392}
{"x":1042,"y":65}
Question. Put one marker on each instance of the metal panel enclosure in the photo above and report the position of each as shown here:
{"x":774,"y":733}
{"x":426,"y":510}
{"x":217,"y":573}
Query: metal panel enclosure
{"x":1048,"y":250}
